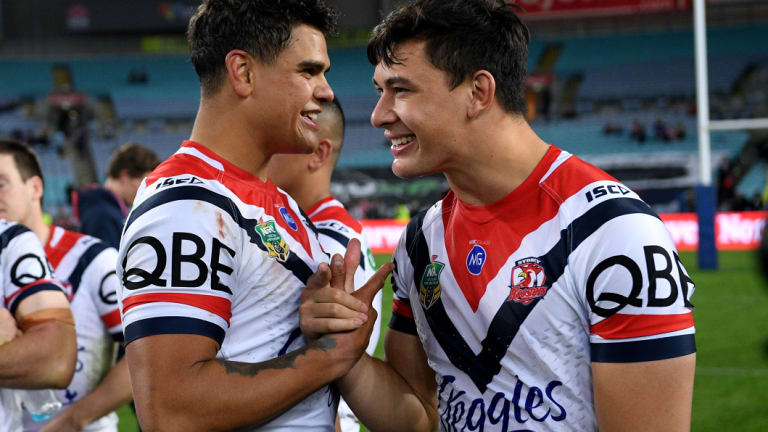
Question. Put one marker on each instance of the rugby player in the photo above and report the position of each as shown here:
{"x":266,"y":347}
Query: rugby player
{"x":86,"y":267}
{"x":540,"y":294}
{"x":37,"y":331}
{"x":307,"y":179}
{"x":214,"y":258}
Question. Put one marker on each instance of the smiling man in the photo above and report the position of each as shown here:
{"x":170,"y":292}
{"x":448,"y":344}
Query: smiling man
{"x":214,"y":257}
{"x":540,"y":294}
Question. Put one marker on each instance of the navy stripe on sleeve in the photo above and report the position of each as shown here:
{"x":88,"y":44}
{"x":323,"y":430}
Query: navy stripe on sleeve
{"x":173,"y":325}
{"x":32,"y":290}
{"x":641,"y":351}
{"x":402,"y":323}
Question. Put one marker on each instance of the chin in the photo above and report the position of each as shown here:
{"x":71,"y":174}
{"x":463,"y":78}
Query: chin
{"x":403,"y":171}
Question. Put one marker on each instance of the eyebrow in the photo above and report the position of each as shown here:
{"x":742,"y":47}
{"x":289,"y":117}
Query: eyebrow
{"x":314,"y":65}
{"x":394,"y":80}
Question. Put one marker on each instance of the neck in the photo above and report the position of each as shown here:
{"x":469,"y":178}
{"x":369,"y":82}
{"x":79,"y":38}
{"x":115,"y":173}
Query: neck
{"x":313,"y":190}
{"x":502,"y":154}
{"x":37,"y":226}
{"x":114,"y":186}
{"x":219,"y":127}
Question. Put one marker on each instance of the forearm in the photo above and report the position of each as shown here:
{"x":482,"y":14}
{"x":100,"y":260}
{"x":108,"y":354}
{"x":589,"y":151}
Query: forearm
{"x":195,"y":395}
{"x":384,"y":401}
{"x":113,"y":392}
{"x":43,"y":357}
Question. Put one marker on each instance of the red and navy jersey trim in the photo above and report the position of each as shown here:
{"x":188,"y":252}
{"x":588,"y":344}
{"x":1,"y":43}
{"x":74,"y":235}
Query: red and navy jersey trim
{"x":293,"y":263}
{"x":83,"y":262}
{"x":173,"y":325}
{"x":15,"y":299}
{"x":645,"y":350}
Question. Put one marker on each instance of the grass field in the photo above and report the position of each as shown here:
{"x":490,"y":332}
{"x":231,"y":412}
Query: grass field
{"x":731,"y":388}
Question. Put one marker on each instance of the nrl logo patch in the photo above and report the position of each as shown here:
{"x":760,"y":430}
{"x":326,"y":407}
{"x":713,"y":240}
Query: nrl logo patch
{"x":429,"y":290}
{"x":276,"y":246}
{"x":527,"y":281}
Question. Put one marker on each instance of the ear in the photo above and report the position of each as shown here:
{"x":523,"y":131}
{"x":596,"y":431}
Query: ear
{"x":239,"y":69}
{"x":321,"y":155}
{"x":36,"y":184}
{"x":483,"y":93}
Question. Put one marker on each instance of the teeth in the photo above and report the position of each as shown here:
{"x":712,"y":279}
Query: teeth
{"x":403,"y":140}
{"x":312,"y":116}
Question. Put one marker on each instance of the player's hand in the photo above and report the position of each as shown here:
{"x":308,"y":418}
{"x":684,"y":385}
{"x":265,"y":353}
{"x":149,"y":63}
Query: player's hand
{"x":327,"y":305}
{"x":353,"y":343}
{"x":65,"y":422}
{"x":8,"y":328}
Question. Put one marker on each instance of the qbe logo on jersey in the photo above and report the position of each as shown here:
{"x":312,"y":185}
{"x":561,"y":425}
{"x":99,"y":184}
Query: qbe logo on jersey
{"x":429,"y":289}
{"x":476,"y":259}
{"x":528,"y":280}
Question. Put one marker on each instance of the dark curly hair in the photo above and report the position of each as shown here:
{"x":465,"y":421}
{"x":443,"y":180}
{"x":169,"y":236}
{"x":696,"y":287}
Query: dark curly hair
{"x":261,"y":28}
{"x":462,"y":37}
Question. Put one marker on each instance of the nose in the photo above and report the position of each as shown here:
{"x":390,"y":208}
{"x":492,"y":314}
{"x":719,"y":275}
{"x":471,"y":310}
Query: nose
{"x":382,"y":114}
{"x":324,"y":92}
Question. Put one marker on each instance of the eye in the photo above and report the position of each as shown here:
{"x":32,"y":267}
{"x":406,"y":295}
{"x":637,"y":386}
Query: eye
{"x":379,"y":91}
{"x":399,"y":90}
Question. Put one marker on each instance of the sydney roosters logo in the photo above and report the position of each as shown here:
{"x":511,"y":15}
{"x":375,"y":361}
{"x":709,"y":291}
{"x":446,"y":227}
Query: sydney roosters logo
{"x":528,"y":280}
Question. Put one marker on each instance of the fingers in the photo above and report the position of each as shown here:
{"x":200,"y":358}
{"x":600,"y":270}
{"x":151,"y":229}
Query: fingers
{"x":351,"y":261}
{"x":374,"y":284}
{"x":320,"y":278}
{"x":337,"y":272}
{"x":329,"y":318}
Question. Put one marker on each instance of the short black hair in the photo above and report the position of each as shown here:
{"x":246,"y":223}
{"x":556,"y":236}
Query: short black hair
{"x":334,"y":106}
{"x":261,"y":28}
{"x":462,"y":37}
{"x":133,"y":157}
{"x":25,"y":158}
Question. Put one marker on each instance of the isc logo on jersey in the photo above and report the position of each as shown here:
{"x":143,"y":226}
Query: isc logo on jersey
{"x":527,"y":281}
{"x":476,"y":259}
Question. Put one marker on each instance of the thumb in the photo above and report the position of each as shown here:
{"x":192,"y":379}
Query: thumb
{"x":366,"y":292}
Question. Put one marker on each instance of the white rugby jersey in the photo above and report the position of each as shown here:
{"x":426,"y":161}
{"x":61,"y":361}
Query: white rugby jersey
{"x":514,"y":300}
{"x":24,"y":271}
{"x":210,"y":249}
{"x":335,"y":228}
{"x":86,"y":267}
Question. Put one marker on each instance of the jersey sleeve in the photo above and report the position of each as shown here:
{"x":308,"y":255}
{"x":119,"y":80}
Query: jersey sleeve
{"x":634,"y":286}
{"x":401,"y":281}
{"x":26,"y":270}
{"x":102,"y":285}
{"x":177,"y":263}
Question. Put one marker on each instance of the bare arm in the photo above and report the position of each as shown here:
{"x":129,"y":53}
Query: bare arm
{"x":175,"y":375}
{"x":397,"y":395}
{"x":644,"y":396}
{"x":113,"y":392}
{"x":44,"y":355}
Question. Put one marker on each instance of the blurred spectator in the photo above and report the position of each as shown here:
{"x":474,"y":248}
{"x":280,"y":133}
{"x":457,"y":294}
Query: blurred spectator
{"x":637,"y":131}
{"x":102,"y":210}
{"x":679,"y":132}
{"x":725,"y":182}
{"x":757,"y":201}
{"x":612,"y":129}
{"x":661,"y":131}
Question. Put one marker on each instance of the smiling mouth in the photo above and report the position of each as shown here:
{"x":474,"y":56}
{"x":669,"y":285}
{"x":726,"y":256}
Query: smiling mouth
{"x":402,"y":141}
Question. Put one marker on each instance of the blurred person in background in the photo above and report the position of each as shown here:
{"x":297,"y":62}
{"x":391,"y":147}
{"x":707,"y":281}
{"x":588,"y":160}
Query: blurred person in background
{"x":307,"y":179}
{"x":102,"y":209}
{"x":215,"y":258}
{"x":539,"y":293}
{"x":37,"y":330}
{"x":86,"y":267}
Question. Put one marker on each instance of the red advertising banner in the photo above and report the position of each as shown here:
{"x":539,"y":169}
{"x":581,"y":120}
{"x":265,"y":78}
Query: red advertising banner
{"x":573,"y":8}
{"x":733,"y":231}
